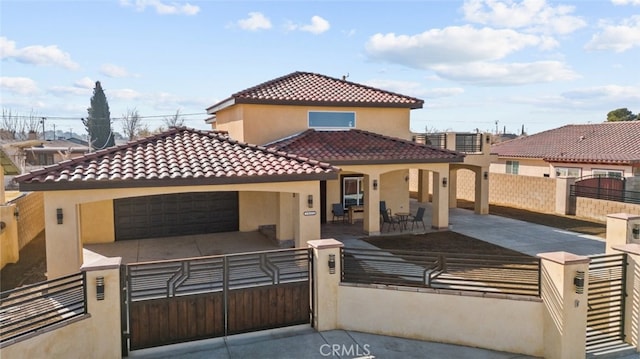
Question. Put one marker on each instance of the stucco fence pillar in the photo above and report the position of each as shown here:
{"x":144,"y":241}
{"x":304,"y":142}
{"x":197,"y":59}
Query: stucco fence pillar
{"x":565,"y":204}
{"x":565,"y":314}
{"x":326,"y":280}
{"x":95,"y":335}
{"x":623,"y":236}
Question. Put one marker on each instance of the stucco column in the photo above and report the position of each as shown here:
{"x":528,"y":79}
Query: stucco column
{"x":481,"y":204}
{"x":64,"y":249}
{"x":104,"y":340}
{"x":306,"y":207}
{"x":453,"y":188}
{"x":372,"y":204}
{"x":632,"y":302}
{"x":423,"y":186}
{"x":9,"y":244}
{"x":284,"y":225}
{"x":326,"y":282}
{"x":440,"y":213}
{"x":620,"y":230}
{"x":451,"y":141}
{"x":565,"y":314}
{"x":564,"y":203}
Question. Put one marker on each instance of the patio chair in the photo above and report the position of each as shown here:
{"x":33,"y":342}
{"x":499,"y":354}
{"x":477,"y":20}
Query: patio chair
{"x":383,"y":208}
{"x":388,"y":220}
{"x":338,"y":212}
{"x":418,"y":218}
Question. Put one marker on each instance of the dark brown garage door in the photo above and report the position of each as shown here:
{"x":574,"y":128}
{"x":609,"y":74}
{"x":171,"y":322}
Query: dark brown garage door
{"x":175,"y":214}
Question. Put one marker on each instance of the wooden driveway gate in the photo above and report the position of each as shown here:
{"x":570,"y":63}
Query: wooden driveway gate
{"x":175,"y":301}
{"x":606,"y":301}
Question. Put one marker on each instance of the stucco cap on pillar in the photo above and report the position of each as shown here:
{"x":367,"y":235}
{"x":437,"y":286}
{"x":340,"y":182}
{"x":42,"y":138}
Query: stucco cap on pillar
{"x":564,"y":257}
{"x":102,"y":263}
{"x":325,"y":243}
{"x":626,"y":216}
{"x":631,"y":248}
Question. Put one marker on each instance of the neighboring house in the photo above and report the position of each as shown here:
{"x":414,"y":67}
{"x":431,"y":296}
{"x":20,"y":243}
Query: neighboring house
{"x":35,"y":153}
{"x":271,"y":159}
{"x":610,"y":148}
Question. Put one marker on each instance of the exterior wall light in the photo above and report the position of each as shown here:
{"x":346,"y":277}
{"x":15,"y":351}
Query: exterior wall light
{"x":636,"y":231}
{"x":444,"y":181}
{"x":578,"y":282}
{"x":310,"y":201}
{"x":100,"y":288}
{"x":375,"y":184}
{"x":59,"y":215}
{"x":485,"y":175}
{"x":332,"y":263}
{"x":16,"y":213}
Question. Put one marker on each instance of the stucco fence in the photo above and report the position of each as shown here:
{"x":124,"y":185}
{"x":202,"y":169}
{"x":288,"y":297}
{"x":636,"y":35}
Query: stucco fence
{"x":24,"y":221}
{"x":537,"y":194}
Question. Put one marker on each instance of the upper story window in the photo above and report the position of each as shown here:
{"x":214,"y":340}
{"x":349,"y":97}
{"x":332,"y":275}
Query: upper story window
{"x":607,"y":173}
{"x":512,"y":167}
{"x":568,"y":172}
{"x":321,"y":119}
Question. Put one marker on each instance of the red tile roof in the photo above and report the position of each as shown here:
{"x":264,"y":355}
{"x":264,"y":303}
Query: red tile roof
{"x":309,"y":89}
{"x":177,"y":157}
{"x":609,"y":142}
{"x":361,"y":147}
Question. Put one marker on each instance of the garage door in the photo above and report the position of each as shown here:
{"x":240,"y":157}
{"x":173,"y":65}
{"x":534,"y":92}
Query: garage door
{"x":175,"y":215}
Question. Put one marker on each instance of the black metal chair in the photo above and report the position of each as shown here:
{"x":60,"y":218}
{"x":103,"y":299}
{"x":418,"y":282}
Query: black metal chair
{"x":338,"y":212}
{"x":418,"y":218}
{"x":388,"y":220}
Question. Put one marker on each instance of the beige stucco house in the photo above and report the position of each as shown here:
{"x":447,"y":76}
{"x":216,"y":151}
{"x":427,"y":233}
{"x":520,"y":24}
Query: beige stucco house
{"x":609,"y":148}
{"x":279,"y":153}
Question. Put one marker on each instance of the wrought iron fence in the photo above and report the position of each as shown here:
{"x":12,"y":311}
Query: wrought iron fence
{"x":432,"y":139}
{"x":607,"y":194}
{"x":171,"y":278}
{"x":32,"y":308}
{"x":456,"y":271}
{"x":469,"y":142}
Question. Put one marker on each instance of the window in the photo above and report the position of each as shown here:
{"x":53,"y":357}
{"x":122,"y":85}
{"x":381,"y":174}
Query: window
{"x":352,"y":191}
{"x":568,"y":172}
{"x":512,"y":167}
{"x":606,"y":173}
{"x":332,"y":119}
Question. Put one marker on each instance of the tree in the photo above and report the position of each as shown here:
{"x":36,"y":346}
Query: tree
{"x":131,"y":124}
{"x":622,"y":114}
{"x":175,"y":120}
{"x":98,"y":123}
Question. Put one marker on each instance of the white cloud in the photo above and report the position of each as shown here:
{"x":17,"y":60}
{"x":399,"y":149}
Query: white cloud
{"x":36,"y":54}
{"x":161,"y":7}
{"x":617,"y":37}
{"x":318,"y":25}
{"x":256,"y":21}
{"x":531,"y":15}
{"x":115,"y":71}
{"x":498,"y":74}
{"x":625,"y":2}
{"x":455,"y":44}
{"x":19,"y":85}
{"x":85,"y":83}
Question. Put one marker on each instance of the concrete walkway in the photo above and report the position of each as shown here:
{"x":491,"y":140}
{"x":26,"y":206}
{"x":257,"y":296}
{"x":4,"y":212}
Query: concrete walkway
{"x":304,"y":342}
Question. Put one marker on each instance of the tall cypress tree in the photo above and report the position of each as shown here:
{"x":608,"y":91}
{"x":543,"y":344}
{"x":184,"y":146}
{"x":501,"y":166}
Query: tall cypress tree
{"x":98,"y":124}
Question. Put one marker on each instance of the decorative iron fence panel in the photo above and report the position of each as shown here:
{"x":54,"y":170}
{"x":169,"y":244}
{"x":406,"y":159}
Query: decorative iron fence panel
{"x":606,"y":301}
{"x":32,"y":308}
{"x":470,"y":272}
{"x":190,"y":299}
{"x":469,"y":142}
{"x":605,"y":188}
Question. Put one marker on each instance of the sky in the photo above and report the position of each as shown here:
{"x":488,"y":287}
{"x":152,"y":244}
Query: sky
{"x":486,"y":65}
